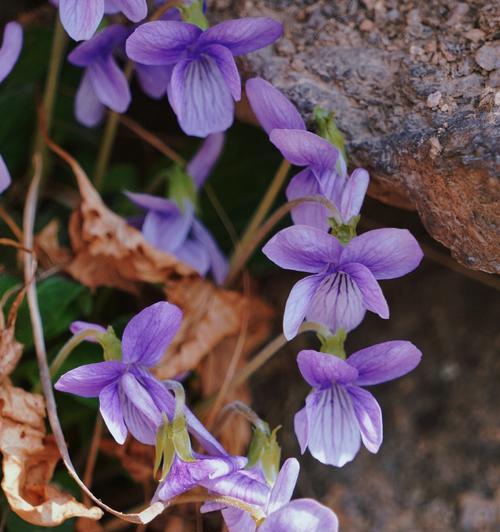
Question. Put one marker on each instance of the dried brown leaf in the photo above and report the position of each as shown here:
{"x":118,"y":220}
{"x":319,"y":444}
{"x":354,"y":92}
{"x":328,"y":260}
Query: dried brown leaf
{"x":10,"y":349}
{"x":10,"y":352}
{"x":29,"y":460}
{"x":109,"y":252}
{"x":49,"y":252}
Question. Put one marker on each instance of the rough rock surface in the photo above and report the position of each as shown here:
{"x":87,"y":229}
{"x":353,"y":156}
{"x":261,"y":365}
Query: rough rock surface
{"x":414,"y":85}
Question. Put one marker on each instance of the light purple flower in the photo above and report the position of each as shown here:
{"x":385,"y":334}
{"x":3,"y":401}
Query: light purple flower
{"x":82,"y":18}
{"x":287,"y":130}
{"x":5,"y":179}
{"x":205,"y":80}
{"x":11,"y":48}
{"x":103,"y":83}
{"x":177,"y":230}
{"x":130,"y":398}
{"x":344,"y":281}
{"x":184,"y":476}
{"x":339,"y":413}
{"x":273,"y":504}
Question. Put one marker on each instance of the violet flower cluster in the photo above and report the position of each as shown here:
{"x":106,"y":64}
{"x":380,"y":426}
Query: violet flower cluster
{"x":180,"y":57}
{"x":132,"y":400}
{"x":344,"y":271}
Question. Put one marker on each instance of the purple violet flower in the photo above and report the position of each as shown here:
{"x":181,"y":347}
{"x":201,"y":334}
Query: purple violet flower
{"x":185,"y":475}
{"x":130,"y":398}
{"x":82,"y":18}
{"x":339,"y":413}
{"x":205,"y":80}
{"x":103,"y":83}
{"x":344,"y":281}
{"x":177,"y":230}
{"x":5,"y":179}
{"x":11,"y":48}
{"x":272,"y":506}
{"x":287,"y":130}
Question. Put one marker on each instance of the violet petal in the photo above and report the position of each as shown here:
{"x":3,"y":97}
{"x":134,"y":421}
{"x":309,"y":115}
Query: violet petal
{"x":162,"y":42}
{"x":298,"y":302}
{"x":11,"y":48}
{"x":334,"y":436}
{"x":81,"y":19}
{"x":303,"y":248}
{"x":384,"y":362}
{"x":272,"y":109}
{"x":110,"y":407}
{"x":207,"y":155}
{"x":90,"y":379}
{"x":149,"y":333}
{"x":321,"y":370}
{"x":369,"y":416}
{"x":243,"y":35}
{"x":388,"y":253}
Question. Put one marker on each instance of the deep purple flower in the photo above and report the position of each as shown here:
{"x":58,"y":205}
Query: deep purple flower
{"x":103,"y":83}
{"x":344,"y":281}
{"x":5,"y":178}
{"x":287,"y":130}
{"x":272,"y":505}
{"x":177,"y":230}
{"x":339,"y":413}
{"x":82,"y":18}
{"x":205,"y":80}
{"x":11,"y":48}
{"x":130,"y":398}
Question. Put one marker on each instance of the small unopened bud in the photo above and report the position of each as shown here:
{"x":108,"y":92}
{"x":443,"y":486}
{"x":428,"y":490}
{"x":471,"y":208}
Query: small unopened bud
{"x":111,"y":345}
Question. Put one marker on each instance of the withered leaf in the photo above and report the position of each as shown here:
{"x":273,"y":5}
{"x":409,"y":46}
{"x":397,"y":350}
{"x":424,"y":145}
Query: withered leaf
{"x":49,"y":252}
{"x":29,"y":460}
{"x":110,"y":252}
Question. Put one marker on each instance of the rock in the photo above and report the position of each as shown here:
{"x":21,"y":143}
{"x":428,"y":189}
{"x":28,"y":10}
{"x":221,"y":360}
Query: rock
{"x":488,"y":56}
{"x":433,"y":99}
{"x":383,"y":85}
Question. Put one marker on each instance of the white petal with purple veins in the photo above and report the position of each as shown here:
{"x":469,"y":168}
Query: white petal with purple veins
{"x":334,"y":436}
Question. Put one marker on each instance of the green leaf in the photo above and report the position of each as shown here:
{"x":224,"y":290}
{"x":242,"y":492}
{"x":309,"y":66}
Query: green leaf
{"x":60,"y":303}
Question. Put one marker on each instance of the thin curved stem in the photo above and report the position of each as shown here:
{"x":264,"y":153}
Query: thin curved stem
{"x":152,"y":139}
{"x":92,"y":456}
{"x":245,"y":252}
{"x":260,"y":359}
{"x":233,"y":364}
{"x":59,"y":43}
{"x":108,"y":139}
{"x":11,"y":224}
{"x":68,"y":347}
{"x":267,"y":201}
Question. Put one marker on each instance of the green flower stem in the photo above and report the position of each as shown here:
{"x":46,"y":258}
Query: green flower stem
{"x":265,"y":204}
{"x":108,"y":140}
{"x":65,"y":351}
{"x":59,"y":44}
{"x":243,"y":253}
